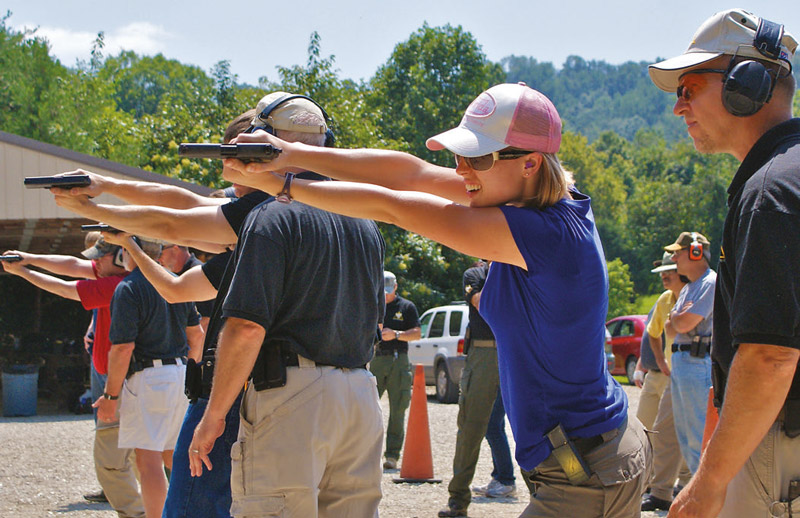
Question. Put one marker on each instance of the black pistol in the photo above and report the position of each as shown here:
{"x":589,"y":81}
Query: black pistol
{"x":62,"y":182}
{"x":101,"y":227}
{"x":244,"y":152}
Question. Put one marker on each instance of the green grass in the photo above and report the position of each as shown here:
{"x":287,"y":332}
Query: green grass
{"x":642,"y":305}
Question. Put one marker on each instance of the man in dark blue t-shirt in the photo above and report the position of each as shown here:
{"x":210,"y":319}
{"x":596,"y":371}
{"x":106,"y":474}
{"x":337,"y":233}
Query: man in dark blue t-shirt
{"x":147,"y":365}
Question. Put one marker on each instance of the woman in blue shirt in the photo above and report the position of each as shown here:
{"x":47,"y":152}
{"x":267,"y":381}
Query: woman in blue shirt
{"x":546,"y":297}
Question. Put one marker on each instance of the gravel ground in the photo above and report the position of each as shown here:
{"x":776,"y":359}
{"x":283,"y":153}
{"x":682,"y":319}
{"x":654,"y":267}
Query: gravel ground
{"x":47,"y":465}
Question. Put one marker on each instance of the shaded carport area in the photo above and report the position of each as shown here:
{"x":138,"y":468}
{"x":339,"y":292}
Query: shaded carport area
{"x":33,"y":322}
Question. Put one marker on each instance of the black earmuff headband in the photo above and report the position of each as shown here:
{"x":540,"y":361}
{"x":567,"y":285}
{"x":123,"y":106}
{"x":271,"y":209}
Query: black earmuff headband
{"x":748,"y":84}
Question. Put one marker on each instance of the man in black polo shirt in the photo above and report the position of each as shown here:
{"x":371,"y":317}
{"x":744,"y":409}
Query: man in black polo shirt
{"x":391,"y":366}
{"x":735,"y":91}
{"x":307,"y":295}
{"x":154,"y":338}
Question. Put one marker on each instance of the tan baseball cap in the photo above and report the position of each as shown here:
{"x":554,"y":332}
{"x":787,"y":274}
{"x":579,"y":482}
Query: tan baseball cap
{"x":728,"y":32}
{"x":283,"y":117}
{"x":686,"y":239}
{"x":99,"y":249}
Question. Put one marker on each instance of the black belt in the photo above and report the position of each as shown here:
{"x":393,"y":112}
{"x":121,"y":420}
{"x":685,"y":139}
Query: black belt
{"x":140,"y":365}
{"x":587,"y":444}
{"x":688,"y":347}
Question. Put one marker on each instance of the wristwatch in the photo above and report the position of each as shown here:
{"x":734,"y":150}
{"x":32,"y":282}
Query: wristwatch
{"x":110,"y":397}
{"x":284,"y":196}
{"x":397,"y":335}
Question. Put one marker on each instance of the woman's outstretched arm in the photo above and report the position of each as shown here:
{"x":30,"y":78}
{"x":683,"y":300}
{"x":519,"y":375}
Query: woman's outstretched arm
{"x":479,"y":232}
{"x":392,"y":169}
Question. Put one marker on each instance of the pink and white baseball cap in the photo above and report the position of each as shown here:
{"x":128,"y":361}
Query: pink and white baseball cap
{"x":505,"y":115}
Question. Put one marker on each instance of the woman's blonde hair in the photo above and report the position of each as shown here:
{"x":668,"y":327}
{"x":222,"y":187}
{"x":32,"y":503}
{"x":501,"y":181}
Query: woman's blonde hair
{"x":552,"y":183}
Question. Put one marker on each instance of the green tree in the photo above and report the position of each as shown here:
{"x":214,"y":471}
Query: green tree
{"x":604,"y":183}
{"x":31,"y":93}
{"x":426,"y":85}
{"x":593,"y":96}
{"x":344,"y":101}
{"x":620,"y":289}
{"x":142,"y":82}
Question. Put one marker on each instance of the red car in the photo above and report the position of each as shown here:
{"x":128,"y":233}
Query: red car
{"x":626,"y":341}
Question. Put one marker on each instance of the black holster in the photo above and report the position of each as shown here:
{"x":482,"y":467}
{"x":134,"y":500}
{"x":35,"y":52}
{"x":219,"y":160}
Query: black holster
{"x":700,"y":346}
{"x":568,"y":456}
{"x":193,"y":385}
{"x":718,"y":382}
{"x":467,"y":340}
{"x":199,"y":377}
{"x":791,"y":419}
{"x":270,"y":368}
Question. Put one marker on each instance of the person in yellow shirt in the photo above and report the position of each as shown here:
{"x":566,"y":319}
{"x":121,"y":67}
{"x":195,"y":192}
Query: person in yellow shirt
{"x":655,"y":403}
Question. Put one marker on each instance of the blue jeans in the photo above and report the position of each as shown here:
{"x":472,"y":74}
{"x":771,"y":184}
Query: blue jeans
{"x":209,"y":495}
{"x":690,"y":380}
{"x":503,"y":470}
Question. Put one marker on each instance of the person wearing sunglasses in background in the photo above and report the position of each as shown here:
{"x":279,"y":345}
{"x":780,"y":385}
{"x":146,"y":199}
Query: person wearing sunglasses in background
{"x":735,"y":91}
{"x":546,"y":296}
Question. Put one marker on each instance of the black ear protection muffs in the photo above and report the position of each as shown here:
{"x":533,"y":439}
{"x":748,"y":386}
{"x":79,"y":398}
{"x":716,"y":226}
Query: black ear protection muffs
{"x":330,"y":139}
{"x":748,"y":85}
{"x":695,"y":248}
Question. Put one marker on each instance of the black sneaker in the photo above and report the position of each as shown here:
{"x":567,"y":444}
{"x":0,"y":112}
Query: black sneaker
{"x":98,"y":498}
{"x":652,"y":503}
{"x":453,"y":511}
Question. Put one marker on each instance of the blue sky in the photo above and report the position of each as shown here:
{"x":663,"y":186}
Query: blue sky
{"x":257,"y":36}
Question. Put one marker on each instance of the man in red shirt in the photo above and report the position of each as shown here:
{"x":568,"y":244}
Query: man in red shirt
{"x":102,"y":271}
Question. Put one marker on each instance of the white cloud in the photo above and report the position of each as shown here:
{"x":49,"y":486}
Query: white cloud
{"x":141,"y":37}
{"x":67,"y":45}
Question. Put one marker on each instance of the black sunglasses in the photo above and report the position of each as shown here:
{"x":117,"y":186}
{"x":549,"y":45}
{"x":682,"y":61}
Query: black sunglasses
{"x":486,"y":162}
{"x":685,"y":93}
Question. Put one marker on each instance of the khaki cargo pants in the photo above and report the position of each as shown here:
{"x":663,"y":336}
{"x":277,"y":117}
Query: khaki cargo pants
{"x":310,"y":448}
{"x":620,"y":471}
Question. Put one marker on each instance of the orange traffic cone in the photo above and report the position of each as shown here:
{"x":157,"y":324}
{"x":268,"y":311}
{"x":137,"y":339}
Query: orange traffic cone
{"x":712,"y":418}
{"x":417,"y":463}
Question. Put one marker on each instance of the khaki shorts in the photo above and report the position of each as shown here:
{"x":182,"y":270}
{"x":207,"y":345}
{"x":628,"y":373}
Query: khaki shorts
{"x":152,"y":407}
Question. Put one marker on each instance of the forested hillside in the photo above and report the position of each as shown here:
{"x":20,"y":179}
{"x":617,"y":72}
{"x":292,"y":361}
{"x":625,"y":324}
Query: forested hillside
{"x":621,"y":140}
